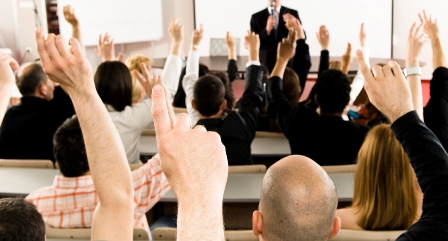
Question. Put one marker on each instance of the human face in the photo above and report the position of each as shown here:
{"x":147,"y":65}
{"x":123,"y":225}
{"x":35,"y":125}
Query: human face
{"x":276,"y":3}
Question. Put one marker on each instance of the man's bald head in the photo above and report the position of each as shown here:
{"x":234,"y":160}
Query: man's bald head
{"x":298,"y":201}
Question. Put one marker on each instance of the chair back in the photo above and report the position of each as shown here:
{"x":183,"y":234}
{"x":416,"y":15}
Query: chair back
{"x":230,"y":235}
{"x":218,"y":47}
{"x":26,"y":163}
{"x":363,"y":235}
{"x":248,"y":169}
{"x":85,"y":233}
{"x":340,"y":168}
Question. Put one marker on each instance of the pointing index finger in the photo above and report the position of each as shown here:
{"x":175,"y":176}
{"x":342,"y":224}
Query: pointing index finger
{"x":364,"y":67}
{"x":159,"y":111}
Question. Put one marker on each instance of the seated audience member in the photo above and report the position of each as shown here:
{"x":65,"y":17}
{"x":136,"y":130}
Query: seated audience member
{"x":232,"y":74}
{"x":206,"y":96}
{"x":436,"y":111}
{"x":313,"y":222}
{"x":54,"y":202}
{"x":114,"y":214}
{"x":27,"y":129}
{"x":7,"y":81}
{"x":386,"y":195}
{"x":325,"y":138}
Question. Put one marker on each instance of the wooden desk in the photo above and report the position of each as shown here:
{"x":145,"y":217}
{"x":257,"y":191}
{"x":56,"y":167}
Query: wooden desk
{"x":246,"y":188}
{"x":219,"y":63}
{"x":261,"y":146}
{"x":241,"y":188}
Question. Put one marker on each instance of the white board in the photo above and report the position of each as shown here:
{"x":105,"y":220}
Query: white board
{"x":343,"y":19}
{"x":127,"y":21}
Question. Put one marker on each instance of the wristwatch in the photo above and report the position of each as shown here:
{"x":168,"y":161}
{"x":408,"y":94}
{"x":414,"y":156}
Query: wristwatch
{"x":412,"y":71}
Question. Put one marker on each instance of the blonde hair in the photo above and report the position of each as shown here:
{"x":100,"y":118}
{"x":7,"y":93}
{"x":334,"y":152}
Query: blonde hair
{"x":385,"y":193}
{"x":335,"y":64}
{"x":133,"y":63}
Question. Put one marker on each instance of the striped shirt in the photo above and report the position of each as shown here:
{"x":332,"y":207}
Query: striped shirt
{"x":70,"y":202}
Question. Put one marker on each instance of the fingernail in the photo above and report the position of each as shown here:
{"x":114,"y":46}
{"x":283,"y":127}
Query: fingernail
{"x":38,"y":30}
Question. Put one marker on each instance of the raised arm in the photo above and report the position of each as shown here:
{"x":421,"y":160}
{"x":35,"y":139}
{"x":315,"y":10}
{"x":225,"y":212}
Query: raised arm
{"x":347,"y":59}
{"x":232,"y":67}
{"x":389,"y":92}
{"x":198,"y":183}
{"x":7,"y":80}
{"x":416,"y":40}
{"x":106,"y":49}
{"x":358,"y":81}
{"x":192,"y":73}
{"x":436,"y":111}
{"x":173,"y":65}
{"x":278,"y":106}
{"x":323,"y":37}
{"x":70,"y":17}
{"x":113,"y":216}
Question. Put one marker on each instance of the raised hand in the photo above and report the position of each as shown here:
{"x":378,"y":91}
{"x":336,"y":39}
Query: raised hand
{"x":176,"y":30}
{"x":69,"y":15}
{"x":347,"y":59}
{"x":252,"y":43}
{"x":230,"y":40}
{"x":323,"y":37}
{"x":287,"y":48}
{"x":106,"y":48}
{"x":296,"y":25}
{"x":197,"y":37}
{"x":431,"y":27}
{"x":416,"y":39}
{"x":387,"y":88}
{"x":362,"y":36}
{"x":6,"y":73}
{"x":147,"y":80}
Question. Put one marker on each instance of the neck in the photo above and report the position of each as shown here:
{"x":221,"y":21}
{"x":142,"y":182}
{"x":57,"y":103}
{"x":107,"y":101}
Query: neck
{"x":217,"y":115}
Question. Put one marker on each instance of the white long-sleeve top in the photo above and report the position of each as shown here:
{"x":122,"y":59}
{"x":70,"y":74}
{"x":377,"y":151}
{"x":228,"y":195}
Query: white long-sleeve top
{"x":358,"y":81}
{"x":190,"y":78}
{"x":171,"y":73}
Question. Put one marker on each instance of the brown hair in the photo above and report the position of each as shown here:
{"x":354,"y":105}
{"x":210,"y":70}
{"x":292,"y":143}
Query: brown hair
{"x":133,"y":63}
{"x":291,"y":87}
{"x":335,"y":64}
{"x":385,"y":193}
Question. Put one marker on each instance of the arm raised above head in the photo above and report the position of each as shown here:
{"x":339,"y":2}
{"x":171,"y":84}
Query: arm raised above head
{"x":7,"y":80}
{"x":66,"y":65}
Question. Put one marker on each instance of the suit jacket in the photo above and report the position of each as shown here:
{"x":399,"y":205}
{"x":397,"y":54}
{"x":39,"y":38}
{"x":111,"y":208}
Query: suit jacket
{"x":269,"y":42}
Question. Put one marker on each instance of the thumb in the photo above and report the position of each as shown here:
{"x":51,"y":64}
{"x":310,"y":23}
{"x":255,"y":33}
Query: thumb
{"x":159,"y":111}
{"x":364,"y":67}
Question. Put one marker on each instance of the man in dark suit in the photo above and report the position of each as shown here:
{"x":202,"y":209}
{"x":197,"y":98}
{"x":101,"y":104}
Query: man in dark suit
{"x":270,"y":24}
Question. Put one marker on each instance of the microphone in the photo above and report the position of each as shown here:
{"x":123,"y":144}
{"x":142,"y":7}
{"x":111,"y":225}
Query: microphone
{"x":272,"y":4}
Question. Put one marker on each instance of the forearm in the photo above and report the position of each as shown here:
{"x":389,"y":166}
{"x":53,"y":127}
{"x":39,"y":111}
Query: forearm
{"x":438,"y":58}
{"x":346,"y":66}
{"x":416,"y":87}
{"x":200,"y":218}
{"x":192,"y":62}
{"x":232,"y":53}
{"x":76,"y":32}
{"x":171,"y":73}
{"x":358,"y":81}
{"x":5,"y":96}
{"x":324,"y":62}
{"x":279,"y":68}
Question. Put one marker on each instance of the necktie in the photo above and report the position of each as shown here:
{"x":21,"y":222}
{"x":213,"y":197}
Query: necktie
{"x":275,"y":13}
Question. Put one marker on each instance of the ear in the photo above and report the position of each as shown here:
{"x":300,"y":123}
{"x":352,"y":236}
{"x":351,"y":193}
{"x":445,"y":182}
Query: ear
{"x":336,"y":227}
{"x":43,"y":89}
{"x":193,"y":104}
{"x":257,"y":223}
{"x":224,"y":104}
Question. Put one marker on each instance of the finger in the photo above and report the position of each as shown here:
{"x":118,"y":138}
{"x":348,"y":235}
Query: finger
{"x":387,"y":70}
{"x":425,"y":16}
{"x":41,"y":48}
{"x":76,"y":48}
{"x":145,"y":71}
{"x":120,"y":57}
{"x":349,"y":49}
{"x":201,"y":29}
{"x":412,"y":30}
{"x":182,"y":122}
{"x":140,"y":77}
{"x":363,"y":66}
{"x":419,"y":29}
{"x":421,"y":18}
{"x":396,"y":68}
{"x":362,"y":27}
{"x":62,"y":46}
{"x":227,"y":35}
{"x":200,"y":128}
{"x":50,"y":44}
{"x":100,"y":40}
{"x":159,"y":111}
{"x":377,"y":71}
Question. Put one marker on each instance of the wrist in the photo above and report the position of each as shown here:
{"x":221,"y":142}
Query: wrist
{"x":194,"y":47}
{"x":411,"y":62}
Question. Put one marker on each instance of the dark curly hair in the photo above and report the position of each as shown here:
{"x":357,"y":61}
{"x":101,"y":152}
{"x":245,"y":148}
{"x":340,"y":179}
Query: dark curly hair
{"x":332,"y":91}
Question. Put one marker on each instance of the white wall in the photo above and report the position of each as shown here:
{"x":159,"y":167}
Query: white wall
{"x":406,"y":12}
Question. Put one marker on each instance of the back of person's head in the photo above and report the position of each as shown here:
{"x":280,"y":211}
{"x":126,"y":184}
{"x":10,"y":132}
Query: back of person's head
{"x":229,"y":96}
{"x":291,"y":87}
{"x":113,"y":83}
{"x":29,"y":78}
{"x":133,"y":62}
{"x":332,"y":91}
{"x":209,"y":94}
{"x":69,"y":149}
{"x":335,"y":64}
{"x":20,"y":220}
{"x":386,"y":186}
{"x":179,"y":97}
{"x":298,"y":202}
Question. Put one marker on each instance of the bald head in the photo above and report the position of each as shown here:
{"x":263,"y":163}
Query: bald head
{"x":298,"y":200}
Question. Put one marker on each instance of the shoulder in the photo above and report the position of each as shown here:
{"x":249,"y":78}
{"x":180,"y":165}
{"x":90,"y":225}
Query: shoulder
{"x":260,"y":13}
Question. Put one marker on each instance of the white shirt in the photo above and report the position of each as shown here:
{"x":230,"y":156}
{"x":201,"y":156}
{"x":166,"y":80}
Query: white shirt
{"x":130,"y":123}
